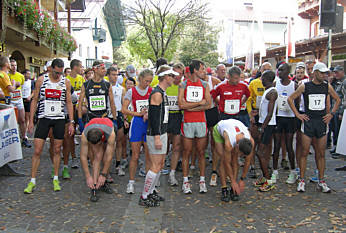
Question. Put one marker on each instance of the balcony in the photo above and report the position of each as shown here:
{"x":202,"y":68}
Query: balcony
{"x":99,"y":34}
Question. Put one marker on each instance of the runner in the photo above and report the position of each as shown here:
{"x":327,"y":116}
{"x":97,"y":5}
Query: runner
{"x":27,"y":94}
{"x":194,"y":99}
{"x":232,"y":140}
{"x":267,"y":122}
{"x":221,"y":72}
{"x":231,"y":94}
{"x":52,"y":93}
{"x":7,"y":86}
{"x":174,"y":121}
{"x":157,"y":138}
{"x":138,"y":96}
{"x":98,"y":137}
{"x":285,"y":123}
{"x":212,"y":116}
{"x":17,"y":100}
{"x":118,"y":93}
{"x":315,"y":120}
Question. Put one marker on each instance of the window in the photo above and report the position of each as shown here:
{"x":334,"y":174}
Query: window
{"x":80,"y":50}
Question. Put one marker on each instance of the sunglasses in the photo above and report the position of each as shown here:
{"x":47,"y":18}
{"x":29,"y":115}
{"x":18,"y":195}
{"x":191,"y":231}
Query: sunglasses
{"x":56,"y":72}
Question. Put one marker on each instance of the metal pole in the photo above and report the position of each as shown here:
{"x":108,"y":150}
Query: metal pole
{"x":329,"y":48}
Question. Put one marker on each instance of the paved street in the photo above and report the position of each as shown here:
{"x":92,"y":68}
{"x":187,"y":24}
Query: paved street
{"x":282,"y":210}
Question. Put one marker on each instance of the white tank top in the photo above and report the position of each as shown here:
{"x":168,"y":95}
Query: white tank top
{"x":210,"y":83}
{"x":301,"y":105}
{"x":284,"y":92}
{"x":263,"y":110}
{"x":26,"y":89}
{"x":233,"y":128}
{"x":117,"y":90}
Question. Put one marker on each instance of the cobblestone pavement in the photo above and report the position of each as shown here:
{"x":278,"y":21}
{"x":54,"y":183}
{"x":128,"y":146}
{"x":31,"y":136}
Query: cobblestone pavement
{"x":281,"y":210}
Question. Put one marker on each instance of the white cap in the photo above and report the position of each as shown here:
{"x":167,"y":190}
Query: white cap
{"x":48,"y":64}
{"x":320,"y":67}
{"x":168,"y":72}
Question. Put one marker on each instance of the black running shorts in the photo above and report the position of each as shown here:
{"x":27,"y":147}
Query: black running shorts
{"x":44,"y":125}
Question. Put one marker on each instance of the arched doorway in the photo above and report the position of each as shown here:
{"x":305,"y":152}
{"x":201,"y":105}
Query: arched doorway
{"x":19,"y":57}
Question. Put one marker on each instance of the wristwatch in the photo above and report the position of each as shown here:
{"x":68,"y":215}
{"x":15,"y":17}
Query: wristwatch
{"x":242,"y":178}
{"x":103,"y":174}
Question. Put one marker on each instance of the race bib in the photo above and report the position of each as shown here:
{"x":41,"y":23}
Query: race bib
{"x":52,"y":108}
{"x":97,"y":102}
{"x":194,"y":94}
{"x":16,"y":95}
{"x":258,"y":101}
{"x":317,"y":102}
{"x":165,"y":117}
{"x":173,"y":103}
{"x":283,"y":104}
{"x":232,"y":106}
{"x":142,"y":104}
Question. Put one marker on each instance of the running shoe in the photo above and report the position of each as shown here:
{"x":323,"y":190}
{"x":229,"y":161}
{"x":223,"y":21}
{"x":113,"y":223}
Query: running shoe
{"x":323,"y":187}
{"x":292,"y":177}
{"x":155,"y":196}
{"x":75,"y":163}
{"x":274,"y":178}
{"x":314,"y":179}
{"x":260,"y":181}
{"x":106,"y":188}
{"x":301,"y":186}
{"x":186,"y":187}
{"x":65,"y":173}
{"x":142,"y":172}
{"x":121,"y":171}
{"x":234,"y":197}
{"x":148,"y":202}
{"x":202,"y":187}
{"x":56,"y":185}
{"x":266,"y":187}
{"x":213,"y":179}
{"x":93,"y":196}
{"x":25,"y":143}
{"x":124,"y":163}
{"x":31,"y":186}
{"x":225,"y":195}
{"x":172,"y":180}
{"x":284,"y":164}
{"x":130,"y":188}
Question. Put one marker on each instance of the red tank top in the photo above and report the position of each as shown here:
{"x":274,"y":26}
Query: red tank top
{"x":100,"y":121}
{"x":193,"y":116}
{"x":140,"y":101}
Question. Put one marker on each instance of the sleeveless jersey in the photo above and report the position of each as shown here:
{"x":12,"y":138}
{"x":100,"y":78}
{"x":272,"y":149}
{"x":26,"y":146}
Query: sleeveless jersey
{"x":284,"y":92}
{"x":103,"y":124}
{"x":140,"y":102}
{"x":194,"y":92}
{"x":52,"y":99}
{"x":172,"y":95}
{"x":97,"y":97}
{"x":315,"y":98}
{"x":164,"y":111}
{"x":263,"y":110}
{"x":233,"y":128}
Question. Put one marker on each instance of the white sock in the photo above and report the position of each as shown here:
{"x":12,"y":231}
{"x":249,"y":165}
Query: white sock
{"x":186,"y":179}
{"x":55,"y":178}
{"x":172,"y":172}
{"x":202,"y":178}
{"x":157,"y":179}
{"x":33,"y":180}
{"x":148,"y":183}
{"x":131,"y":181}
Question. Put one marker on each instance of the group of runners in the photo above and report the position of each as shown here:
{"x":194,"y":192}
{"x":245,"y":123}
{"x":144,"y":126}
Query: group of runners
{"x":184,"y":107}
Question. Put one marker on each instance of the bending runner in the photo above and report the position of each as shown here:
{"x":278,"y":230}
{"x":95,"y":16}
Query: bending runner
{"x":52,"y":93}
{"x":138,"y":96}
{"x":317,"y":95}
{"x":194,"y":99}
{"x":98,"y":139}
{"x":232,"y":140}
{"x":157,"y":138}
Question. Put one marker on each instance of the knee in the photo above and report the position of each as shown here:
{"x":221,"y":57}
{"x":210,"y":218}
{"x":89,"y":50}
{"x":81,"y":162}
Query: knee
{"x":57,"y":150}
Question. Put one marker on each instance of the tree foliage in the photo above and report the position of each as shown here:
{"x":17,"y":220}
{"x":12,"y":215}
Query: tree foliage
{"x":161,"y":22}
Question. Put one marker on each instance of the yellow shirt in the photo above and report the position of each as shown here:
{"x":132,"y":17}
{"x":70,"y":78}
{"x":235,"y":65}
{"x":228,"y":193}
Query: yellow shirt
{"x":4,"y":83}
{"x":76,"y":82}
{"x":106,"y":78}
{"x":18,"y":77}
{"x":155,"y":81}
{"x":256,"y":89}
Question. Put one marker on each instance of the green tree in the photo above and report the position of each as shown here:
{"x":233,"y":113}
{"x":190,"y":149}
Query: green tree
{"x":200,"y":43}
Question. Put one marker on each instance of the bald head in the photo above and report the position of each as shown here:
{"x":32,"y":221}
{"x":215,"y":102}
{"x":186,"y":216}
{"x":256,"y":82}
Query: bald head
{"x":266,"y":66}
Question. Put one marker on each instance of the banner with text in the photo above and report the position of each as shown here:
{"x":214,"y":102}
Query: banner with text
{"x":10,"y":145}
